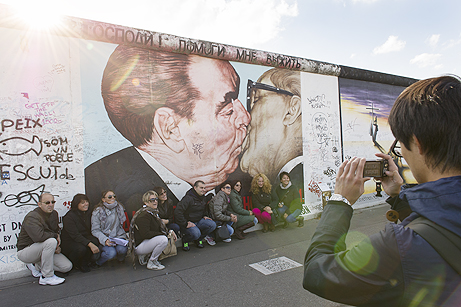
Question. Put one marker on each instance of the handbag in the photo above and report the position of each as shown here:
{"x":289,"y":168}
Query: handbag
{"x":222,"y":232}
{"x":170,"y":249}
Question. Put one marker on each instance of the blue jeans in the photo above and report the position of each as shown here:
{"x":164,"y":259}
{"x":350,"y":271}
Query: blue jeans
{"x":229,"y":227}
{"x":199,"y":231}
{"x":110,"y":252}
{"x":291,"y":218}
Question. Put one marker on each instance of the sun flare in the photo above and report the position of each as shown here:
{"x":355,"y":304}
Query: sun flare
{"x":39,"y":15}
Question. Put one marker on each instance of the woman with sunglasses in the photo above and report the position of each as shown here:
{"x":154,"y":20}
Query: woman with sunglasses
{"x":166,"y":210}
{"x":107,"y":223}
{"x":149,"y":232}
{"x":245,"y":218}
{"x":219,"y":212}
{"x":78,"y":244}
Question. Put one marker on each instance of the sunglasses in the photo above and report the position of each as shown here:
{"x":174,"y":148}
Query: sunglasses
{"x":396,"y":149}
{"x":238,"y":185}
{"x":153,"y":200}
{"x":261,"y":86}
{"x":227,"y":188}
{"x":49,"y":202}
{"x":110,"y":196}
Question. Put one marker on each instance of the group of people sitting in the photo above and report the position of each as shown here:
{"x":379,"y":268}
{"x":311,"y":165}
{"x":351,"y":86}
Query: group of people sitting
{"x":89,"y":239}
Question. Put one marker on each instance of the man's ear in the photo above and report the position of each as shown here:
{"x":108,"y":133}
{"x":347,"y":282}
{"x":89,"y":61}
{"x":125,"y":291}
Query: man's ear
{"x":168,"y":130}
{"x":293,"y":111}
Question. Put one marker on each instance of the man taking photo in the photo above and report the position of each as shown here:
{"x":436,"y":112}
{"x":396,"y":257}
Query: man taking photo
{"x":397,"y":266}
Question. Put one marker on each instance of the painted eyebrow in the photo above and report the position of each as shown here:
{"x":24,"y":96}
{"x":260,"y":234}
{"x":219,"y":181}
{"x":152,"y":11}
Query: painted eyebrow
{"x":228,"y":98}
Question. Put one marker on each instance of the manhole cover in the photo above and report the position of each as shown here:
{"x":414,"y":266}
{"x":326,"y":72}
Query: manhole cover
{"x":275,"y":265}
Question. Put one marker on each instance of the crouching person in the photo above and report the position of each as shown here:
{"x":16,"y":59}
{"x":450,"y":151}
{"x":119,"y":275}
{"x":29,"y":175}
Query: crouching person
{"x":150,"y":233}
{"x":218,"y":210}
{"x":39,"y":243}
{"x":190,"y":214}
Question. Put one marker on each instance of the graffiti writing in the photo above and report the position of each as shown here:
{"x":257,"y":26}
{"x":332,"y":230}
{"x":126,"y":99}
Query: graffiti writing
{"x":44,"y":83}
{"x":17,"y":146}
{"x":331,"y":173}
{"x":314,"y":188}
{"x":24,"y":198}
{"x":321,"y":131}
{"x":318,"y":102}
{"x":198,"y":149}
{"x":18,"y":123}
{"x":38,"y":173}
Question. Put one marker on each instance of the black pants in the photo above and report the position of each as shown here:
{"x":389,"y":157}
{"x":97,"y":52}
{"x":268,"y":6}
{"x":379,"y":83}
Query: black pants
{"x":78,"y":253}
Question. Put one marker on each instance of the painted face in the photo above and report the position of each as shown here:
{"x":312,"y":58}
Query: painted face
{"x":215,"y":134}
{"x":109,"y":197}
{"x":200,"y":189}
{"x":265,"y":133}
{"x":260,"y":182}
{"x":238,"y":186}
{"x":163,"y":196}
{"x":83,"y":205}
{"x":285,"y":180}
{"x":227,"y":189}
{"x":47,"y":203}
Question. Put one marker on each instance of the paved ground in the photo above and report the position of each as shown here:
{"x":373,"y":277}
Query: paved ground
{"x":213,"y":276}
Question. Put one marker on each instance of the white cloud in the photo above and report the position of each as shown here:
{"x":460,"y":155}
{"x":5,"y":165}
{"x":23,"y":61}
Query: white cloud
{"x":246,"y":23}
{"x":392,"y":44}
{"x":433,"y":40}
{"x":453,"y":42}
{"x":427,"y":59}
{"x":364,"y":1}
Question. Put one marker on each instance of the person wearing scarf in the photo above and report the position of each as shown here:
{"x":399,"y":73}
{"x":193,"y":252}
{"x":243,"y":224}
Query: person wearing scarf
{"x":149,"y":232}
{"x":78,"y":244}
{"x":106,"y":221}
{"x":288,"y":201}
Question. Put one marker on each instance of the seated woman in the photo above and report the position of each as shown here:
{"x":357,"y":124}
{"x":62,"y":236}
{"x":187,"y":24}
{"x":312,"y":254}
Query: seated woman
{"x":106,"y":221}
{"x":288,"y":200}
{"x":245,"y":218}
{"x":262,"y":200}
{"x":166,"y":210}
{"x":218,"y":209}
{"x":150,"y":233}
{"x":77,"y":242}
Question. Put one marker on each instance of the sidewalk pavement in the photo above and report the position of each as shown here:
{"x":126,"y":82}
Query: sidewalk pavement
{"x":218,"y":275}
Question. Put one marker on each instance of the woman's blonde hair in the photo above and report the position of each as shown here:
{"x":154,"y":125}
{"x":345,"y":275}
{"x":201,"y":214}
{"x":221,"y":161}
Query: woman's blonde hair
{"x":266,"y":187}
{"x":147,"y":195}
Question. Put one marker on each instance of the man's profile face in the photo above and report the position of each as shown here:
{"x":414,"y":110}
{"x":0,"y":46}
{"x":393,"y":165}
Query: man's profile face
{"x":47,"y":203}
{"x":265,"y":132}
{"x":215,"y":134}
{"x":200,"y":189}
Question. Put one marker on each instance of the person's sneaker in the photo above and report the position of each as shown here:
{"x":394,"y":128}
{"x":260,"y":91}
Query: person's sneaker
{"x":155,"y":265}
{"x":52,"y":281}
{"x":143,"y":259}
{"x":33,"y":270}
{"x":200,"y":244}
{"x":300,"y":220}
{"x":210,"y":240}
{"x":185,"y":247}
{"x":227,"y":240}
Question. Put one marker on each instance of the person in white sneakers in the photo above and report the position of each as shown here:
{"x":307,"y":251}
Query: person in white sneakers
{"x":39,"y":243}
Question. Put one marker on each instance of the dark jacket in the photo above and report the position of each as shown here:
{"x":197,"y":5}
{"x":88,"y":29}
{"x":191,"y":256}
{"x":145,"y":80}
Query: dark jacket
{"x":236,"y":207}
{"x":218,"y":207}
{"x":395,"y":267}
{"x":192,"y":207}
{"x":166,"y":210}
{"x":289,"y":196}
{"x":37,"y":227}
{"x":76,"y":227}
{"x":148,"y":225}
{"x":261,"y":200}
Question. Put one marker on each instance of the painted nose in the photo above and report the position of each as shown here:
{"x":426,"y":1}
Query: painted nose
{"x":243,"y":117}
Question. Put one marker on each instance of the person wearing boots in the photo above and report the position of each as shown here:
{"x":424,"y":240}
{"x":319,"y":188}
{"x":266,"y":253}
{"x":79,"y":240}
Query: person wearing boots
{"x":288,"y":201}
{"x":245,"y":218}
{"x":261,"y":198}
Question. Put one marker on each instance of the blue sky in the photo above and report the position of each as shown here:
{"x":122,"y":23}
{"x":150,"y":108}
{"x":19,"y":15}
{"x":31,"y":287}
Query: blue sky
{"x":412,"y":38}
